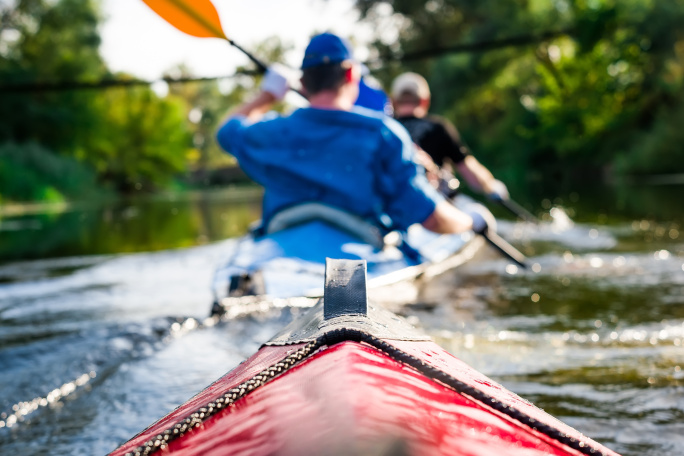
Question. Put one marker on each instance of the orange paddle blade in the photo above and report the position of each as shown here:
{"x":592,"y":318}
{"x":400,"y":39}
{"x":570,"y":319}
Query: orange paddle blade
{"x":195,"y":17}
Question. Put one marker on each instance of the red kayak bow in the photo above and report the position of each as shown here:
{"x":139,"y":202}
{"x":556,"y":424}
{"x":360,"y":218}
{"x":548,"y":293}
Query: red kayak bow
{"x":350,"y":378}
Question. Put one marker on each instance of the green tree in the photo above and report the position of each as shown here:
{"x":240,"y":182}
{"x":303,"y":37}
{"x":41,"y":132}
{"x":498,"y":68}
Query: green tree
{"x":31,"y":172}
{"x":133,"y":139}
{"x":205,"y":106}
{"x":141,"y":141}
{"x":43,"y":42}
{"x":207,"y":103}
{"x":605,"y":94}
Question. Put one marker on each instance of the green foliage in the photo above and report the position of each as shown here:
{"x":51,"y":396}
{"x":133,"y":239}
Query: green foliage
{"x":205,"y":107}
{"x":133,"y":139}
{"x":140,"y":141}
{"x":30,"y":172}
{"x":661,"y":150}
{"x":607,"y":93}
{"x":207,"y":104}
{"x":55,"y":41}
{"x":607,"y":96}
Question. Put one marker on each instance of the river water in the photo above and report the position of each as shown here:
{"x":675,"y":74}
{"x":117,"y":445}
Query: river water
{"x":102,"y":311}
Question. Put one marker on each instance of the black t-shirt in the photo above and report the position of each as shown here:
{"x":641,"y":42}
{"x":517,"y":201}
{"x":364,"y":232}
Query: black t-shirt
{"x":436,"y":136}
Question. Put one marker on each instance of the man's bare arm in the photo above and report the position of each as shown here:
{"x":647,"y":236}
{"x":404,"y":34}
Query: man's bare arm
{"x":254,"y":109}
{"x":446,"y":219}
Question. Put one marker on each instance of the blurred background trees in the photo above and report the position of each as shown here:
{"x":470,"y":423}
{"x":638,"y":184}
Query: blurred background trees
{"x":63,"y":143}
{"x":540,"y":90}
{"x":604,"y":96}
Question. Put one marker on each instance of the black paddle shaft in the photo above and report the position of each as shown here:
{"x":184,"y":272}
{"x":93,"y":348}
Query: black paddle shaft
{"x":519,"y":211}
{"x":496,"y":241}
{"x":260,"y":64}
{"x":505,"y":248}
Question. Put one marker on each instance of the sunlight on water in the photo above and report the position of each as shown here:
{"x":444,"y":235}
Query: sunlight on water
{"x":560,"y":230}
{"x":22,"y":409}
{"x":560,"y":221}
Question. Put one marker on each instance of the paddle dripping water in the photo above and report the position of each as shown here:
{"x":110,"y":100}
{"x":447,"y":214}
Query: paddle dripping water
{"x":594,"y":337}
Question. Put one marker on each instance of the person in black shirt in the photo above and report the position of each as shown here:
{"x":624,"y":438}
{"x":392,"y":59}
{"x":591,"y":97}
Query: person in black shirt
{"x":438,"y":137}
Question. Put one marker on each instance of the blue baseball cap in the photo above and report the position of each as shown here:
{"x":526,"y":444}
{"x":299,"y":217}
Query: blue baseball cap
{"x":326,"y":48}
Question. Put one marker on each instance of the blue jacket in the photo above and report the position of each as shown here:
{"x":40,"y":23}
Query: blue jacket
{"x":359,"y":161}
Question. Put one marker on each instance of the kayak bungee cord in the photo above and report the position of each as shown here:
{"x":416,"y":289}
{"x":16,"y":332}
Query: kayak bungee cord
{"x":198,"y":417}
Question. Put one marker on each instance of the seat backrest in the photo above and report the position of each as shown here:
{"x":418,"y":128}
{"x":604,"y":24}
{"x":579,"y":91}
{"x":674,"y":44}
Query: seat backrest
{"x":306,"y":212}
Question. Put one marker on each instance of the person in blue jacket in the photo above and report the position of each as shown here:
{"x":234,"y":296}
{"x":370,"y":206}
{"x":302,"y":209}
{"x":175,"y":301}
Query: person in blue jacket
{"x":334,"y":153}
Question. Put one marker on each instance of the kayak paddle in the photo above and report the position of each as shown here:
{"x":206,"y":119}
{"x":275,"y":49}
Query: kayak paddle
{"x":449,"y":190}
{"x":504,"y":248}
{"x":196,"y":18}
{"x":199,"y":18}
{"x":519,"y":211}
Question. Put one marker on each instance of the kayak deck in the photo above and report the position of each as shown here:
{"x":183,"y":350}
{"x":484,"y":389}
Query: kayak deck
{"x":391,"y":409}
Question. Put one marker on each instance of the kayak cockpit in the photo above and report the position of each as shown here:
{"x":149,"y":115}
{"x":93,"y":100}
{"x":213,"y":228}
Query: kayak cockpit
{"x":286,"y":258}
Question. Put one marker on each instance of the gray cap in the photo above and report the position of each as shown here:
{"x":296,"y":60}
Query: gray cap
{"x":411,"y":83}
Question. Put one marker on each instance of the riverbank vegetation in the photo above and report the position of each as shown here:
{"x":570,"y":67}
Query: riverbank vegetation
{"x":568,"y":87}
{"x":61,"y":143}
{"x":562,"y":89}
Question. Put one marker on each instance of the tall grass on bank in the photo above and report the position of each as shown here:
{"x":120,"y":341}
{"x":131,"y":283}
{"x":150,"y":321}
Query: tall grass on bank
{"x":30,"y":172}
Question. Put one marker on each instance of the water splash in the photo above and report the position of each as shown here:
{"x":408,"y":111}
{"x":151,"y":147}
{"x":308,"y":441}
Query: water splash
{"x":560,"y":220}
{"x":558,"y":228}
{"x":22,"y":409}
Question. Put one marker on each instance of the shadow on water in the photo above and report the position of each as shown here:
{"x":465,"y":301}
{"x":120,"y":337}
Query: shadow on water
{"x":102,"y":311}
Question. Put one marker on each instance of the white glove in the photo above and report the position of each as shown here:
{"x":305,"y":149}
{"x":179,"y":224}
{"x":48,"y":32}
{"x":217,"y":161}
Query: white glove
{"x":498,"y":192}
{"x":274,"y":82}
{"x":479,"y":222}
